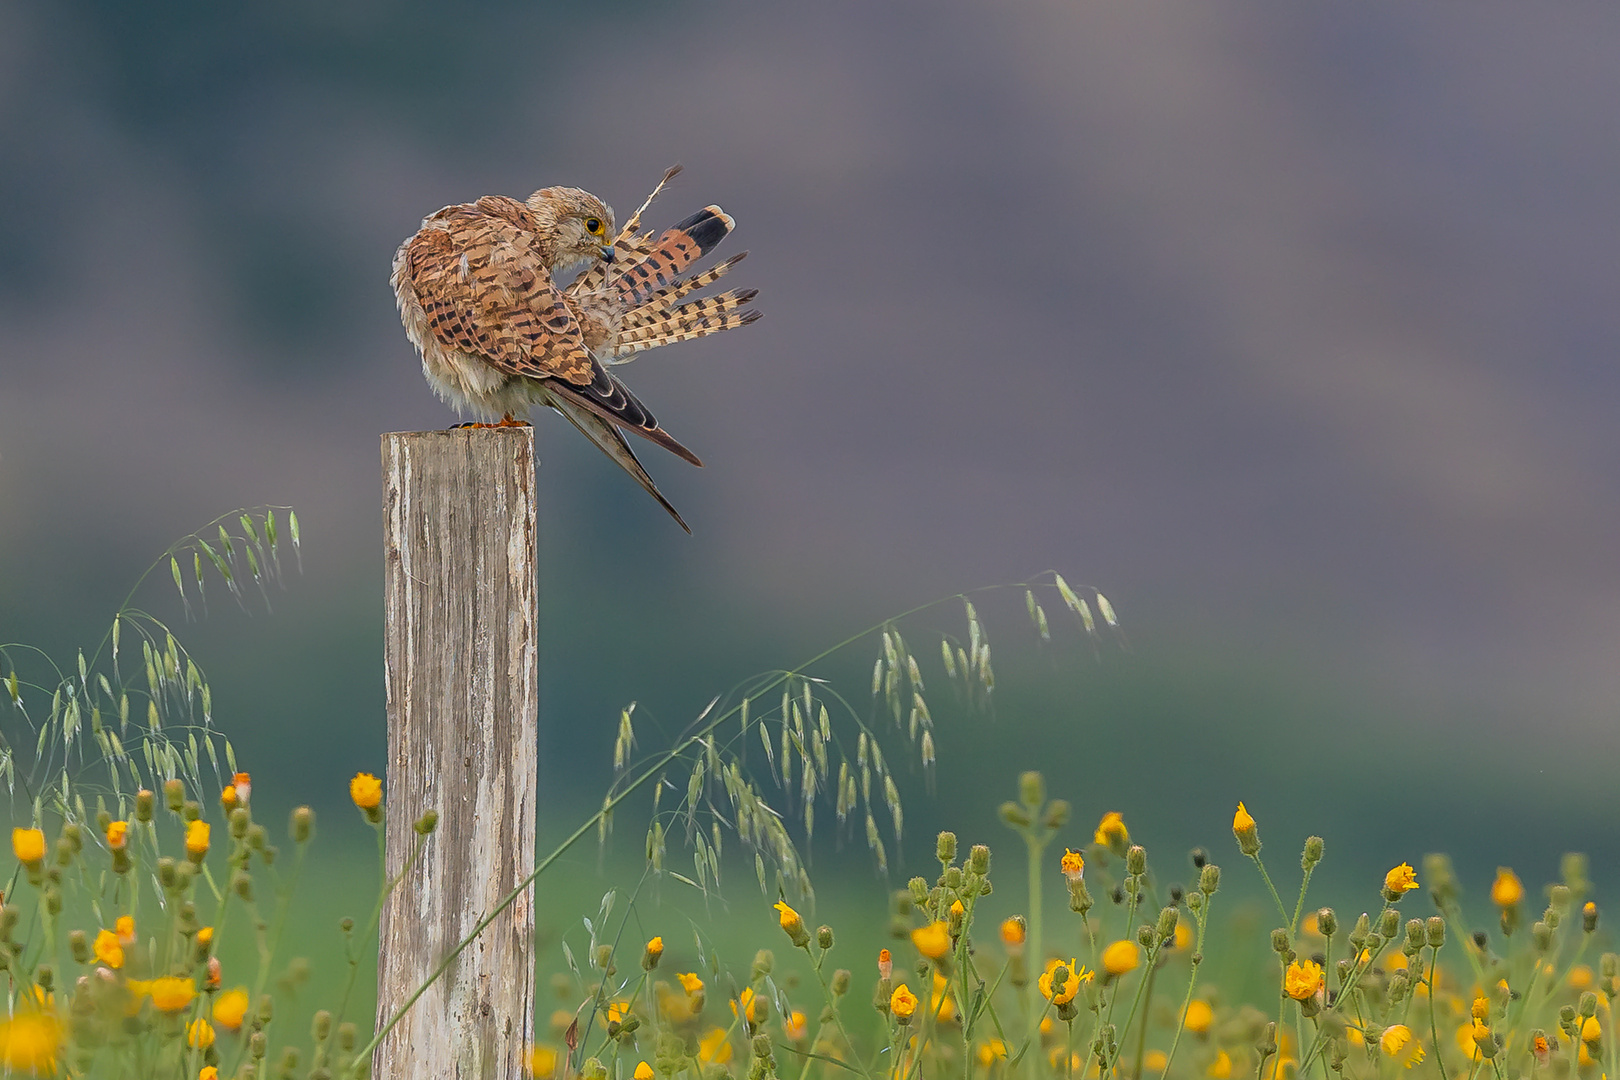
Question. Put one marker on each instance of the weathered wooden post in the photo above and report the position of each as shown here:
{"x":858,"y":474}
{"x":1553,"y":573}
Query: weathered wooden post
{"x":460,"y":611}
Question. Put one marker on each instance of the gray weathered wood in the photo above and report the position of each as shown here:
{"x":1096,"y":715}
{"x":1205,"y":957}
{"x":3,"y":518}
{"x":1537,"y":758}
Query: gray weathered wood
{"x":460,"y":610}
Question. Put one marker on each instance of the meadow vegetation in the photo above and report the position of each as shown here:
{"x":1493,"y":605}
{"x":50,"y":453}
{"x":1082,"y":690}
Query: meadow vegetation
{"x":142,"y":925}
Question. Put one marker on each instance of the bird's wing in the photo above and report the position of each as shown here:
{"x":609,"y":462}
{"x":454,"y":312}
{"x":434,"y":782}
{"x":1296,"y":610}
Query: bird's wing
{"x":606,"y":437}
{"x":483,"y":288}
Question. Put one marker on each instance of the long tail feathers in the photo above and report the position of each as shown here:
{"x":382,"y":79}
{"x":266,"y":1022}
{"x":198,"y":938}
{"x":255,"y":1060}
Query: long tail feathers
{"x":693,"y":319}
{"x":676,"y":248}
{"x":607,"y":438}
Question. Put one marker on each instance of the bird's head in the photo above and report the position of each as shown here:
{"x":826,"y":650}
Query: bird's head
{"x":578,"y":224}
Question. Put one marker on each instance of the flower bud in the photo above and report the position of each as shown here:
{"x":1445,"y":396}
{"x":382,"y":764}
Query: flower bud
{"x":174,"y":794}
{"x":840,"y":982}
{"x":143,"y":805}
{"x":1588,"y":1005}
{"x":1312,"y":854}
{"x":1589,"y":917}
{"x":824,"y":937}
{"x":1014,"y":815}
{"x":1209,"y":879}
{"x":979,"y":859}
{"x":1541,"y":934}
{"x":242,"y":884}
{"x":303,"y":824}
{"x":240,"y":820}
{"x":1327,"y":922}
{"x":1079,"y":896}
{"x":1166,"y":929}
{"x":257,"y":836}
{"x":1057,"y":814}
{"x":1199,"y":857}
{"x":1358,"y":934}
{"x":1437,"y":931}
{"x":952,"y":878}
{"x":79,"y":946}
{"x":1416,"y":935}
{"x":919,"y":891}
{"x":1136,"y":859}
{"x":945,"y":848}
{"x":321,"y":1026}
{"x":1390,"y":924}
{"x":1279,"y":941}
{"x":1032,"y":790}
{"x":764,"y":961}
{"x":425,"y":824}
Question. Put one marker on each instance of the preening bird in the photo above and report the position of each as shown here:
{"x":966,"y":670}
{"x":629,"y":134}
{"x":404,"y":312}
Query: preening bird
{"x":478,"y":293}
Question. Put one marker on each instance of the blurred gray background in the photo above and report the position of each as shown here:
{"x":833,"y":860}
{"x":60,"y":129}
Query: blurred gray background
{"x":1291,"y":327}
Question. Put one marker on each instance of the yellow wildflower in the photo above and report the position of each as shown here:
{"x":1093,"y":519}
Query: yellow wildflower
{"x":1302,"y":980}
{"x":1120,"y":957}
{"x":653,"y":953}
{"x":208,"y":1072}
{"x":1468,"y":1038}
{"x":617,"y":1011}
{"x":30,"y":1041}
{"x":542,"y":1062}
{"x":1245,"y":831}
{"x":108,"y":950}
{"x":1507,"y":889}
{"x":793,"y":925}
{"x":1013,"y":932}
{"x":227,"y":798}
{"x":902,"y":1003}
{"x":941,"y":1004}
{"x":29,"y":846}
{"x":1111,"y":832}
{"x":715,"y":1047}
{"x":117,"y":835}
{"x":197,"y":839}
{"x":933,"y":941}
{"x":1155,"y":1061}
{"x":1397,"y":1043}
{"x":205,"y":936}
{"x":365,"y":790}
{"x":1481,"y":1009}
{"x":1399,"y":881}
{"x":795,"y":1026}
{"x":1580,"y":977}
{"x":231,"y":1007}
{"x":1199,"y":1017}
{"x":691,"y":983}
{"x":171,"y":993}
{"x":643,"y":1071}
{"x":124,"y":926}
{"x":750,"y":1006}
{"x":1221,"y":1067}
{"x":1072,"y":864}
{"x":200,"y":1033}
{"x":1183,"y":936}
{"x":1074,"y":975}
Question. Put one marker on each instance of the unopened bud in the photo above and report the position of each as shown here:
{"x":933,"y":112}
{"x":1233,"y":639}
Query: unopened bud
{"x":1209,"y":879}
{"x":1014,"y":815}
{"x":1327,"y":922}
{"x":1136,"y":859}
{"x":1437,"y":931}
{"x":1312,"y":854}
{"x":303,"y":824}
{"x":945,"y":848}
{"x":240,"y":820}
{"x":174,"y":794}
{"x":1166,"y":929}
{"x":425,"y":824}
{"x":1032,"y":790}
{"x":979,"y":859}
{"x":1390,"y":924}
{"x":840,"y":981}
{"x":824,"y":937}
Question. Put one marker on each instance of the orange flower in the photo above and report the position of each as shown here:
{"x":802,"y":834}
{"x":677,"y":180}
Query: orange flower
{"x":30,"y":1041}
{"x":108,"y":950}
{"x":171,"y":994}
{"x":1199,"y":1017}
{"x":117,"y":835}
{"x":1013,"y":932}
{"x":1401,"y":880}
{"x":1120,"y":957}
{"x":1111,"y":832}
{"x":691,"y":983}
{"x":1073,"y":976}
{"x":1072,"y":864}
{"x":902,"y":1003}
{"x":715,"y":1047}
{"x":1507,"y":889}
{"x":197,"y":840}
{"x":643,"y":1071}
{"x":933,"y":941}
{"x":795,"y":1026}
{"x":1302,"y":980}
{"x":885,"y":964}
{"x":29,"y":846}
{"x":366,"y":791}
{"x":200,"y":1033}
{"x":231,"y":1007}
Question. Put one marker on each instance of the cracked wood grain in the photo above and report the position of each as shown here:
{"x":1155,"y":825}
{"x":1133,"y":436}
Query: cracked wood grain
{"x":460,"y":604}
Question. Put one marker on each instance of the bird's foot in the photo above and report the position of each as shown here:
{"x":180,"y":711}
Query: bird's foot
{"x":507,"y":421}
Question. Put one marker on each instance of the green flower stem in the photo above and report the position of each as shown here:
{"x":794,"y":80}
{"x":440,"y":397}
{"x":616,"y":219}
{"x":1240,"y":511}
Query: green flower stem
{"x":1192,"y":981}
{"x":1272,"y":889}
{"x":837,"y":1015}
{"x":1434,"y":1026}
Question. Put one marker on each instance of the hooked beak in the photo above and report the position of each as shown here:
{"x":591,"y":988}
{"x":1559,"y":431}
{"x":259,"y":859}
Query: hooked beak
{"x":607,"y":252}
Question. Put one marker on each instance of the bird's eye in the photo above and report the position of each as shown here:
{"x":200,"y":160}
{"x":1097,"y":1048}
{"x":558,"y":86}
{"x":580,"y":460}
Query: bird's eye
{"x":593,"y":226}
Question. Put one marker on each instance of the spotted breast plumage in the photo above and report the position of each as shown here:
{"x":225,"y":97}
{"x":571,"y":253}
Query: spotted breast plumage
{"x":480,"y":298}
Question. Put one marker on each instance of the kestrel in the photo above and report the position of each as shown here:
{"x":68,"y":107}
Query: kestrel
{"x":479,"y":295}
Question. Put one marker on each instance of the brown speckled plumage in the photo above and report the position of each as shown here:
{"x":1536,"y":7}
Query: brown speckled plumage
{"x":478,"y":295}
